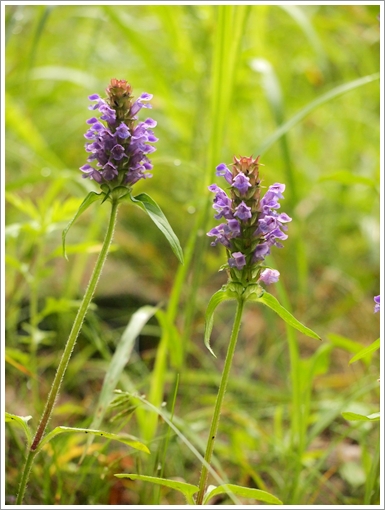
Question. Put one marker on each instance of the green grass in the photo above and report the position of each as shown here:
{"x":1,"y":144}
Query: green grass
{"x":297,"y":84}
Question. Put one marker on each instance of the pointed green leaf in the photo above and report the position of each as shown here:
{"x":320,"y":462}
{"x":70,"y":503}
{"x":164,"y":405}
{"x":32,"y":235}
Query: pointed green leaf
{"x":149,"y":205}
{"x":186,"y":488}
{"x":360,"y":417}
{"x":217,"y":298}
{"x":245,"y":492}
{"x":90,"y":198}
{"x":367,"y":350}
{"x":126,"y":439}
{"x":22,"y":421}
{"x":270,"y":301}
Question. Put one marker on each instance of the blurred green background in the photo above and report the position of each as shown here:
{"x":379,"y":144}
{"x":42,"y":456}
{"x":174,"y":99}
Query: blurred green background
{"x":224,"y":80}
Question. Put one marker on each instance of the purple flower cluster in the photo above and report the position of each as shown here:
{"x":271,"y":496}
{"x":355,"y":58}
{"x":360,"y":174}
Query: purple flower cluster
{"x":377,"y":304}
{"x":119,"y":147}
{"x":252,"y":225}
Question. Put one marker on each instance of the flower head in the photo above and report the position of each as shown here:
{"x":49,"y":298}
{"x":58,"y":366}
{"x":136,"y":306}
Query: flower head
{"x":118,"y":146}
{"x":253,"y":224}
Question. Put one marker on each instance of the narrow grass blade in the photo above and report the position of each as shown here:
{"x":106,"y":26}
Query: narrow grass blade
{"x":245,"y":492}
{"x":367,"y":350}
{"x":186,"y":489}
{"x":148,"y":422}
{"x":303,"y":21}
{"x":22,"y":421}
{"x":331,"y":94}
{"x":118,"y":362}
{"x":348,"y":345}
{"x":25,"y":205}
{"x":126,"y":439}
{"x":273,"y":303}
{"x":183,"y":438}
{"x":67,"y":74}
{"x":8,"y":358}
{"x":28,"y":133}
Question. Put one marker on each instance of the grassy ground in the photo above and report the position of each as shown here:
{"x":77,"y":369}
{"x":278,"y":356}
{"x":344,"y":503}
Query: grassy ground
{"x":296,"y":84}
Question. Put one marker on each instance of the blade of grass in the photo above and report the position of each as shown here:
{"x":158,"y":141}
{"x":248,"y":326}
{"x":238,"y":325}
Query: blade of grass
{"x":28,"y":133}
{"x":189,"y":445}
{"x":223,"y":71}
{"x":118,"y":362}
{"x":303,"y":21}
{"x":230,"y":30}
{"x":325,"y":98}
{"x":167,"y":439}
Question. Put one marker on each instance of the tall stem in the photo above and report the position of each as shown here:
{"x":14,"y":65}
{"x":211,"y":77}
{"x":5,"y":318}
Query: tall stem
{"x":219,"y":400}
{"x":55,"y":388}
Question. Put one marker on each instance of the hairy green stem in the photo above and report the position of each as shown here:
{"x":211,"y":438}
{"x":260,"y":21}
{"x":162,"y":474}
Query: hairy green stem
{"x":218,"y":402}
{"x":55,"y":388}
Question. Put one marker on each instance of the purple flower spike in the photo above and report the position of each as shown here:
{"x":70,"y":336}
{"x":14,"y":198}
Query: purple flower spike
{"x":269,"y":276}
{"x":377,"y":304}
{"x":253,"y":224}
{"x":118,"y":145}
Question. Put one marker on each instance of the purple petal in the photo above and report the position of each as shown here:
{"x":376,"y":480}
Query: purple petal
{"x":237,"y":260}
{"x":377,"y":304}
{"x":269,"y":276}
{"x":223,"y":171}
{"x":243,"y":211}
{"x":242,"y":183}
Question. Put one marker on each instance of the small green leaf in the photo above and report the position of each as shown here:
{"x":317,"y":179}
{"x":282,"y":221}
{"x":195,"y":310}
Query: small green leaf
{"x":270,"y":301}
{"x":367,"y":350}
{"x":245,"y":492}
{"x":149,"y":205}
{"x":186,"y":488}
{"x":22,"y":421}
{"x":126,"y":439}
{"x":217,"y":298}
{"x":90,"y":198}
{"x":360,"y":417}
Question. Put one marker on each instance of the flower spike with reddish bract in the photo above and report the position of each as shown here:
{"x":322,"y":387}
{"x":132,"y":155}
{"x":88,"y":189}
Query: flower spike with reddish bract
{"x":253,"y":224}
{"x":119,"y":145}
